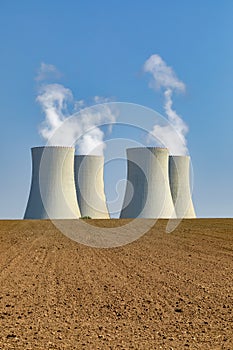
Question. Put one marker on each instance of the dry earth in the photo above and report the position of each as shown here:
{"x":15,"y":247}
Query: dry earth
{"x":163,"y":291}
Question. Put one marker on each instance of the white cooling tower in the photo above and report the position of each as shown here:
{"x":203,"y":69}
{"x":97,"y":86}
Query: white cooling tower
{"x":52,"y":193}
{"x":148,"y":192}
{"x":180,"y":186}
{"x":89,"y":180}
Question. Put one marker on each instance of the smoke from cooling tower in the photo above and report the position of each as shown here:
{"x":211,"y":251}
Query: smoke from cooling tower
{"x":83,"y":131}
{"x":173,"y":136}
{"x":46,"y":71}
{"x":58,"y":105}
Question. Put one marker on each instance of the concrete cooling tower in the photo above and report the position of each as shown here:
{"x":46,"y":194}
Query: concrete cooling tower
{"x":148,"y":192}
{"x":180,"y":186}
{"x":52,"y":193}
{"x":89,"y":180}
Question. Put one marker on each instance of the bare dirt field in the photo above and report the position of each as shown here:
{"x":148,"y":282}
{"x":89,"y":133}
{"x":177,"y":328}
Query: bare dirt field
{"x":163,"y":291}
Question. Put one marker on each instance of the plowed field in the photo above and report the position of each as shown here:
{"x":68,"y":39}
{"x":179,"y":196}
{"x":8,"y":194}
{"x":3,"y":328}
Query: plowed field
{"x":163,"y":291}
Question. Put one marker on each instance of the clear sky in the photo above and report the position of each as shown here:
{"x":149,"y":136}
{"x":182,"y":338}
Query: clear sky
{"x":100,"y":48}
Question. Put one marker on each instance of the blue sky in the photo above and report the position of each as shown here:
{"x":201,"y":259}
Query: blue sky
{"x":100,"y":48}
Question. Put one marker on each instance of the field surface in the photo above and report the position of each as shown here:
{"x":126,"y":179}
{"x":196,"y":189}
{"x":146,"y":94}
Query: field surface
{"x":163,"y":291}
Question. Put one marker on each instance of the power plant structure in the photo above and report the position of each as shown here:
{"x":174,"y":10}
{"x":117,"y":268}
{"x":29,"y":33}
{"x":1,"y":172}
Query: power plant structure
{"x":147,"y":192}
{"x":89,"y":180}
{"x":52,"y":194}
{"x":179,"y":175}
{"x":65,"y":186}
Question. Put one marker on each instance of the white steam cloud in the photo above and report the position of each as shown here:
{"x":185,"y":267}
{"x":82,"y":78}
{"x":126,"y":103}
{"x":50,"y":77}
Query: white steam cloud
{"x":47,"y":71}
{"x":172,"y":135}
{"x":67,"y":122}
{"x":53,"y":99}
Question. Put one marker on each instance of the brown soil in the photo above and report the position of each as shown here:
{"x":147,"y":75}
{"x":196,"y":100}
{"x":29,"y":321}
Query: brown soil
{"x":163,"y":291}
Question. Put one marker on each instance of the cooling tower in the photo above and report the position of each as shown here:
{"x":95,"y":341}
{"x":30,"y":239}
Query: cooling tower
{"x":52,"y":193}
{"x":180,"y":186}
{"x":148,"y":192}
{"x":89,"y":180}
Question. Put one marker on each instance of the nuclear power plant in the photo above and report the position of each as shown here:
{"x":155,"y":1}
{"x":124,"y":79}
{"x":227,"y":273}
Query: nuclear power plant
{"x":65,"y":186}
{"x":89,"y":180}
{"x":52,"y":193}
{"x":148,"y":192}
{"x":179,"y":174}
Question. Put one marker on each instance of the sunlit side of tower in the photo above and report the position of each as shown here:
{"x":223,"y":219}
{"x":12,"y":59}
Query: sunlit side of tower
{"x":179,"y":176}
{"x":89,"y":180}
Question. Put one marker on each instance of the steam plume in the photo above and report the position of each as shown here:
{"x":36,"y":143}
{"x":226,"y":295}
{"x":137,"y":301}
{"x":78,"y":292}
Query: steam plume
{"x":47,"y":71}
{"x":172,"y":135}
{"x":58,"y":104}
